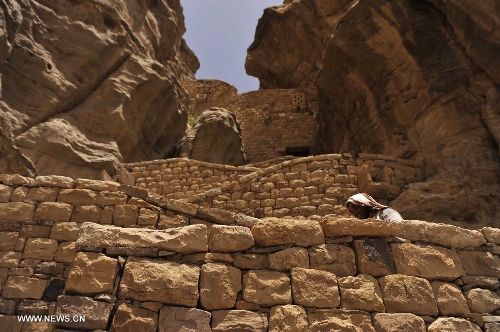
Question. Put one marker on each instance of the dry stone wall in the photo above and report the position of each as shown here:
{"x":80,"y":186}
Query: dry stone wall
{"x":204,"y":94}
{"x":314,"y":185}
{"x":128,"y":259}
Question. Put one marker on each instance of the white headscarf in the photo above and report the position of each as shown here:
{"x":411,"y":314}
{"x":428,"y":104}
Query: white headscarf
{"x":365,"y":200}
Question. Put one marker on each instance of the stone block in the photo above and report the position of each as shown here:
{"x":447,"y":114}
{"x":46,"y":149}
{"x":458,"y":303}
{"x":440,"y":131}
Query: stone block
{"x":77,"y":196}
{"x":92,"y":273}
{"x":273,"y":231}
{"x":40,"y":248}
{"x":97,"y":314}
{"x":230,"y":238}
{"x":174,"y":319}
{"x":125,"y":215}
{"x":288,"y":318}
{"x":217,"y":216}
{"x":7,"y":307}
{"x":315,"y":288}
{"x":219,"y":286}
{"x":208,"y":258}
{"x":28,"y":231}
{"x":266,"y":288}
{"x":107,"y":215}
{"x":427,"y":261}
{"x":42,"y":194}
{"x":97,"y":185}
{"x":182,"y":207}
{"x":480,"y":263}
{"x":336,"y":258}
{"x":160,"y":281}
{"x":53,"y":211}
{"x":166,"y":221}
{"x":65,"y":231}
{"x":49,"y":268}
{"x":450,"y":299}
{"x":361,"y":293}
{"x":482,"y":301}
{"x":32,"y":307}
{"x":8,"y":240}
{"x":374,"y":257}
{"x":402,"y":322}
{"x":16,"y":211}
{"x":86,"y":213}
{"x":250,"y":261}
{"x":129,"y":318}
{"x":111,"y":198}
{"x":21,"y":287}
{"x":5,"y":193}
{"x":490,"y":283}
{"x":10,"y":323}
{"x":189,"y":239}
{"x":492,"y":235}
{"x":408,"y":294}
{"x":287,"y":259}
{"x":452,"y":324}
{"x":339,"y":320}
{"x":19,"y":194}
{"x":147,"y":217}
{"x":239,"y":320}
{"x":55,"y":181}
{"x":65,"y":252}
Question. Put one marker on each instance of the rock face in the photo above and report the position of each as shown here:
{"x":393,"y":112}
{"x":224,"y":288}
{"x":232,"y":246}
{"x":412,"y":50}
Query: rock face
{"x":215,"y":138}
{"x":417,"y":80}
{"x":86,"y":85}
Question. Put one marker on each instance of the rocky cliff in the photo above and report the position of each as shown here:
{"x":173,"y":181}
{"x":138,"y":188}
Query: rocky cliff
{"x":414,"y":79}
{"x":86,"y":85}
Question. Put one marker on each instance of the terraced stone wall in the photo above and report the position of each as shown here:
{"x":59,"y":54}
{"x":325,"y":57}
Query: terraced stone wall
{"x":314,"y":185}
{"x":127,"y":259}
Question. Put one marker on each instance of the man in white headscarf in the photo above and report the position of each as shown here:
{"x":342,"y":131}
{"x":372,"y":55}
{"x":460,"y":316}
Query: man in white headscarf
{"x":363,"y":206}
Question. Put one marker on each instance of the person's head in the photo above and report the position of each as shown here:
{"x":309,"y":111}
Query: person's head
{"x":361,"y":205}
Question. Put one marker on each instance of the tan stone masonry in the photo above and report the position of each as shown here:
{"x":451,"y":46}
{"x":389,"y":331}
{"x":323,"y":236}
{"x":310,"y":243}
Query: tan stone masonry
{"x":271,"y":274}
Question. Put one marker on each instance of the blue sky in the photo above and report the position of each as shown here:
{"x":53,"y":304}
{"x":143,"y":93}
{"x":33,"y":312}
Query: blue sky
{"x":219,"y":33}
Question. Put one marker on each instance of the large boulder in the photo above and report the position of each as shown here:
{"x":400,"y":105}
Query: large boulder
{"x":86,"y":85}
{"x":215,"y":138}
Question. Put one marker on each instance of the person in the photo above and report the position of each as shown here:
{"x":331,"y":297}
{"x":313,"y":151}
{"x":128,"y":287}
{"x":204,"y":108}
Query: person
{"x":363,"y":206}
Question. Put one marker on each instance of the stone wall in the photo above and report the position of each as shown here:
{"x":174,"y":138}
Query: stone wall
{"x":314,"y":185}
{"x":128,"y":259}
{"x":204,"y":94}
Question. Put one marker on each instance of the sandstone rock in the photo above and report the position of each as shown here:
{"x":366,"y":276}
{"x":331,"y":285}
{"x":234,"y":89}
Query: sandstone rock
{"x":42,"y":194}
{"x":40,"y":248}
{"x":111,"y":198}
{"x":66,"y":252}
{"x":8,"y":240}
{"x":161,"y":281}
{"x":214,"y":215}
{"x":490,"y":283}
{"x":315,"y":288}
{"x":55,"y":180}
{"x":97,"y":314}
{"x":287,"y":259}
{"x":125,"y":215}
{"x":19,"y":287}
{"x":187,"y":239}
{"x":92,"y":273}
{"x":32,"y":307}
{"x":86,"y":213}
{"x":174,"y":319}
{"x":207,"y":258}
{"x":250,"y":261}
{"x":219,"y":286}
{"x":408,"y":294}
{"x":337,"y":320}
{"x":28,"y":231}
{"x":166,"y":221}
{"x":10,"y":259}
{"x":5,"y":193}
{"x":480,"y":263}
{"x":491,"y":235}
{"x":147,"y":217}
{"x":288,"y":318}
{"x":230,"y":238}
{"x":77,"y":196}
{"x":16,"y":211}
{"x":215,"y":138}
{"x":53,"y":211}
{"x":482,"y":301}
{"x":453,"y":324}
{"x":361,"y":293}
{"x":374,"y":257}
{"x":11,"y":323}
{"x":402,"y":322}
{"x":335,"y":258}
{"x":65,"y":231}
{"x":274,"y":231}
{"x":129,"y":318}
{"x":238,"y":320}
{"x":450,"y":299}
{"x":427,"y":261}
{"x":266,"y":288}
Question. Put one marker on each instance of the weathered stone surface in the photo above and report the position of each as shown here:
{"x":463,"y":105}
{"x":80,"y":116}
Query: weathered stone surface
{"x":42,"y":194}
{"x":315,"y":288}
{"x":77,"y":196}
{"x":66,"y":252}
{"x":413,"y":230}
{"x":361,"y":293}
{"x":32,"y":307}
{"x":490,"y":283}
{"x":238,"y":320}
{"x":266,"y":288}
{"x":408,"y":294}
{"x":173,"y":319}
{"x":250,"y":261}
{"x":5,"y":193}
{"x":10,"y":323}
{"x":97,"y":314}
{"x":92,"y":273}
{"x":478,"y":263}
{"x":230,"y":238}
{"x":40,"y":248}
{"x":7,"y":307}
{"x":19,"y":287}
{"x":98,"y":185}
{"x":166,"y":221}
{"x":111,"y":198}
{"x":86,"y":213}
{"x":147,"y":217}
{"x":28,"y":231}
{"x":337,"y":320}
{"x":182,"y":207}
{"x":450,"y":299}
{"x":273,"y":231}
{"x":129,"y":318}
{"x":207,"y":258}
{"x":16,"y":211}
{"x":482,"y":301}
{"x":9,"y":259}
{"x":219,"y":286}
{"x":215,"y":215}
{"x":491,"y":234}
{"x":49,"y":268}
{"x":288,"y":318}
{"x":55,"y":181}
{"x":453,"y":324}
{"x":374,"y":257}
{"x":65,"y":231}
{"x":215,"y":138}
{"x":335,"y":258}
{"x":161,"y":281}
{"x":8,"y":240}
{"x":53,"y":211}
{"x":287,"y":259}
{"x":427,"y":261}
{"x":187,"y":239}
{"x":402,"y":322}
{"x":125,"y":215}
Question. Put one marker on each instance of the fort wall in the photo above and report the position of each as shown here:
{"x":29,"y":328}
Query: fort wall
{"x":122,"y":257}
